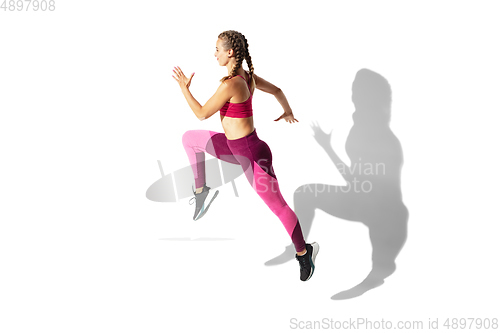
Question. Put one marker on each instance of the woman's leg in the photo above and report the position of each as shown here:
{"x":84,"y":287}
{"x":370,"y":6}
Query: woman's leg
{"x":267,"y":188}
{"x":261,"y":175}
{"x":255,"y":157}
{"x":197,"y":143}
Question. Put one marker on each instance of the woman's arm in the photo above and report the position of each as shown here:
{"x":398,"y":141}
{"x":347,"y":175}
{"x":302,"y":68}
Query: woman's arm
{"x":214,"y":104}
{"x":270,"y":88}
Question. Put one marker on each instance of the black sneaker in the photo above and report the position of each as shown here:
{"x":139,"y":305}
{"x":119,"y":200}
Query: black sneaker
{"x":306,"y":261}
{"x":200,"y":209}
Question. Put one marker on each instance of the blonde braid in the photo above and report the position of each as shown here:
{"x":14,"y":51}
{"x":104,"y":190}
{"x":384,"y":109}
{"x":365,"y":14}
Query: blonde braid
{"x":248,"y":59}
{"x":234,"y":40}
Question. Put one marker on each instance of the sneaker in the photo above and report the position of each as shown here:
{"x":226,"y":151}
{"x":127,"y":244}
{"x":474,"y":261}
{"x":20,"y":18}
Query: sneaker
{"x":306,"y":261}
{"x":201,"y":198}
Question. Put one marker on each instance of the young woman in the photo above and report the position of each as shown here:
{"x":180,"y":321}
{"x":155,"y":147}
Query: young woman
{"x":239,"y":144}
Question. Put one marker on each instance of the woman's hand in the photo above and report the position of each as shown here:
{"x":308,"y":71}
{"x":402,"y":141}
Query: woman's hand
{"x":321,"y":137}
{"x":288,"y":117}
{"x":183,"y":81}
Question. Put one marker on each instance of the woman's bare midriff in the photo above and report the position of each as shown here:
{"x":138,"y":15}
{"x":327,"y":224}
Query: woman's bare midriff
{"x":236,"y":128}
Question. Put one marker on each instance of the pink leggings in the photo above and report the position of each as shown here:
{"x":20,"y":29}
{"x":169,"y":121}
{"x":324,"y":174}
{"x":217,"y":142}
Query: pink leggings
{"x":255,"y":157}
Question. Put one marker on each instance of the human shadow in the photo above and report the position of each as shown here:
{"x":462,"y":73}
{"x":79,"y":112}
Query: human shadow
{"x":372,"y":194}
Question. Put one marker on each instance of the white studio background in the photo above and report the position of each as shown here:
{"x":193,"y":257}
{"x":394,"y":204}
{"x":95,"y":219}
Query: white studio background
{"x":89,"y":107}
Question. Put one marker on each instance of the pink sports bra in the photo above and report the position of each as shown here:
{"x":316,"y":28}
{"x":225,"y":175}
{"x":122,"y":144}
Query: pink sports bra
{"x":238,"y":110}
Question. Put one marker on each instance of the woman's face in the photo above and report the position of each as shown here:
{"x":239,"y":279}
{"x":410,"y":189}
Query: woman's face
{"x":220,"y":54}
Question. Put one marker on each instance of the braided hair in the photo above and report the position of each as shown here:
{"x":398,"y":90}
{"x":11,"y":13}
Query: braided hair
{"x":235,"y":40}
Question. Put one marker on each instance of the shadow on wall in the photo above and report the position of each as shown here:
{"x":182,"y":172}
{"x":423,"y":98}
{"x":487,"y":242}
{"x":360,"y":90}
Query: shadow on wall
{"x":372,"y":194}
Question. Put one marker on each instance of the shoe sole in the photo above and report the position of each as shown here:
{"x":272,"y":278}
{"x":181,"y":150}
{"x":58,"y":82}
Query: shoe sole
{"x":204,"y":209}
{"x":315,"y":247}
